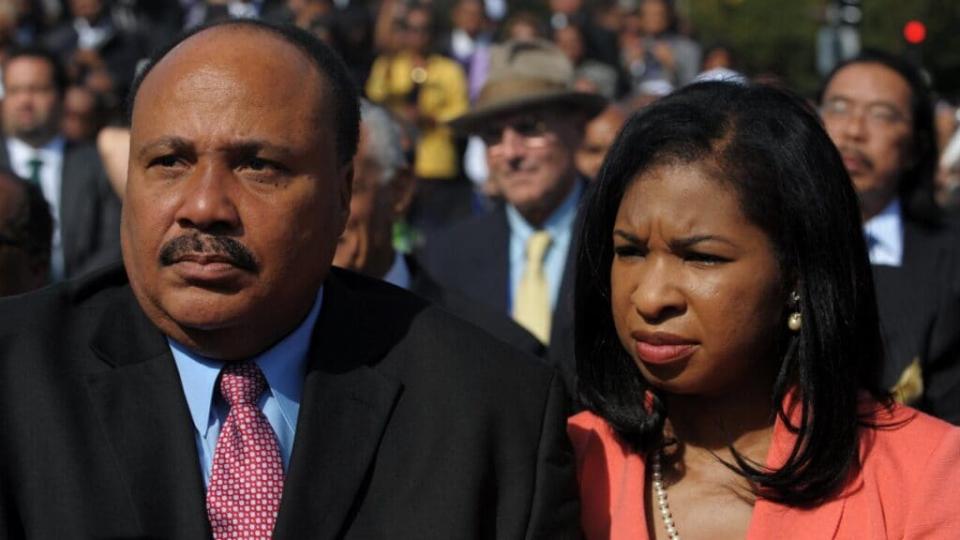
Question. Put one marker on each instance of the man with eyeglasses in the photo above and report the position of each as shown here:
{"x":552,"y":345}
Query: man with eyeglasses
{"x":25,"y":230}
{"x":517,"y":258}
{"x":877,"y":110}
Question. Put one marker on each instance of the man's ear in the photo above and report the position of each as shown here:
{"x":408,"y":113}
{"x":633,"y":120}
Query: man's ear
{"x":402,"y":189}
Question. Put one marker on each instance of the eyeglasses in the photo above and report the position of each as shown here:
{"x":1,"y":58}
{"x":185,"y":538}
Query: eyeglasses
{"x":875,"y":114}
{"x":532,"y":130}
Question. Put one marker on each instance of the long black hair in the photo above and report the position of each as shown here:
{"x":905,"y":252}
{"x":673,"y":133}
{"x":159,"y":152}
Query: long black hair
{"x":791,"y":183}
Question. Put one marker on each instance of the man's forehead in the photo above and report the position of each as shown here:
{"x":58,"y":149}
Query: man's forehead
{"x":869,"y":82}
{"x":237,"y":48}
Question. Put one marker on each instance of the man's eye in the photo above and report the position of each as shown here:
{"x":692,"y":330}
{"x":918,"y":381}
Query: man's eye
{"x":262,"y":165}
{"x":165,"y":161}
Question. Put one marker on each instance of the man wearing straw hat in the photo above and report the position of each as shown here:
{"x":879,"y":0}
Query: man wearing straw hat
{"x":518,"y":258}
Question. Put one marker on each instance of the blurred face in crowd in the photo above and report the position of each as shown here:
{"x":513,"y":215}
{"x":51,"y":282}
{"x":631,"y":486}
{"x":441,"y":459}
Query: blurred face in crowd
{"x":417,"y":30}
{"x":79,"y":114}
{"x":568,"y":7}
{"x":468,"y":16}
{"x":866,"y":110}
{"x":530,"y":153}
{"x":696,"y":287}
{"x":31,"y":102}
{"x":599,"y":135}
{"x":366,"y":245}
{"x":236,"y":196}
{"x":569,"y":40}
{"x":19,"y":271}
{"x":654,"y":17}
{"x":87,"y":9}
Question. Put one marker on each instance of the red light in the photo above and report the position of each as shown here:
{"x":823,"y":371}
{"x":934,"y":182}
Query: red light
{"x":914,"y":32}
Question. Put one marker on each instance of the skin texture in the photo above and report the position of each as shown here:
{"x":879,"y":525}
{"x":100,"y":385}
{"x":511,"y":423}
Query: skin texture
{"x":536,"y":175}
{"x":866,"y":111}
{"x":366,"y":245}
{"x":724,"y":295}
{"x":31,"y":104}
{"x":597,"y":139}
{"x":19,"y":272}
{"x":232,"y":142}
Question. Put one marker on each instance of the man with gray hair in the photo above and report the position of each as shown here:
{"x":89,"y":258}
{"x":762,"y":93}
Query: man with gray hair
{"x":383,"y":184}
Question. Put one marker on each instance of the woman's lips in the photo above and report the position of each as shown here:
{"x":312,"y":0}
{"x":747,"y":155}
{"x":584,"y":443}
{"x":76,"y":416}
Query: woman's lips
{"x":663,"y":348}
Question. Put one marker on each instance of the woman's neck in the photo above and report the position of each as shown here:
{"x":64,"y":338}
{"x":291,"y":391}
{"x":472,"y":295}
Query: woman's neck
{"x":743,"y":418}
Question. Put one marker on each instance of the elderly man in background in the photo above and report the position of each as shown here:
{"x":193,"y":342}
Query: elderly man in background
{"x":70,"y":175}
{"x":25,"y":231}
{"x":226,"y":381}
{"x":382,"y":189}
{"x":517,"y":259}
{"x":877,"y":110}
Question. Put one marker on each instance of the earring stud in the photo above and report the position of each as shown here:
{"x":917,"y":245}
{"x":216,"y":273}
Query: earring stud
{"x":795,"y":321}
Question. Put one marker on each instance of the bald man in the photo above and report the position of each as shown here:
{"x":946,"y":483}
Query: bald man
{"x":225,"y":381}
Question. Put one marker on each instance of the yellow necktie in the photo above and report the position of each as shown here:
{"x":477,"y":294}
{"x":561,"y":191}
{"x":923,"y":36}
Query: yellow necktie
{"x":531,"y":304}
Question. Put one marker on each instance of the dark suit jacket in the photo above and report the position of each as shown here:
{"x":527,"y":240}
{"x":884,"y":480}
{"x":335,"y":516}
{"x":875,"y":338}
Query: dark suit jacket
{"x":919,"y":305}
{"x":497,"y":324}
{"x":412,"y":425}
{"x":473,"y":257}
{"x":89,"y":210}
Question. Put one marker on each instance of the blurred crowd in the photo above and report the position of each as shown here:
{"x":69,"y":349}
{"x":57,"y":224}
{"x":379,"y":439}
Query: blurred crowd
{"x":422,"y":66}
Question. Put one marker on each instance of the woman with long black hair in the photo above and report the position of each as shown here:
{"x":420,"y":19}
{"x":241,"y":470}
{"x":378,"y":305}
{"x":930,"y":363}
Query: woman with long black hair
{"x":727,"y":339}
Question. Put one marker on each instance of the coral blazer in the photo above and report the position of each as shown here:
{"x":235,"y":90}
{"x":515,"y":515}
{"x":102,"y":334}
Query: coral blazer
{"x":908,"y":486}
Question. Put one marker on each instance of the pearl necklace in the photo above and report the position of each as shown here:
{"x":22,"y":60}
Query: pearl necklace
{"x":661,"y":494}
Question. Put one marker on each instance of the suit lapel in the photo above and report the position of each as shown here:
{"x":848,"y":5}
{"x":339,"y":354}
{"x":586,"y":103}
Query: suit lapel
{"x":74,"y":200}
{"x":141,"y":406}
{"x":345,"y":408}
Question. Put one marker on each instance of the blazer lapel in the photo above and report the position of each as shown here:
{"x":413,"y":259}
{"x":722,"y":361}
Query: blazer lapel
{"x":490,"y":262}
{"x":141,"y":406}
{"x":345,"y":408}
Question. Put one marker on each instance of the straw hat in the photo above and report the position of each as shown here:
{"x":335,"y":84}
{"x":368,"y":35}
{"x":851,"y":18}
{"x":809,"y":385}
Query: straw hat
{"x":526,"y":74}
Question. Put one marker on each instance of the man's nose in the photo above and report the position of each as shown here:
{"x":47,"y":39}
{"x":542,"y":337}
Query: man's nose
{"x":512,"y":144}
{"x":209,"y":201}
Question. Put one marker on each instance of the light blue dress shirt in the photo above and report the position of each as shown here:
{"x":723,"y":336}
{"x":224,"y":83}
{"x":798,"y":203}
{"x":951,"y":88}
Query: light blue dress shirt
{"x":560,"y":227}
{"x":283,"y":366}
{"x":884,"y":233}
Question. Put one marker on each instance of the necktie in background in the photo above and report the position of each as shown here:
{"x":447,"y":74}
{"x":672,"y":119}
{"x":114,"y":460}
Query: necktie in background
{"x":531,"y":305}
{"x":36,"y":165}
{"x":246,"y":480}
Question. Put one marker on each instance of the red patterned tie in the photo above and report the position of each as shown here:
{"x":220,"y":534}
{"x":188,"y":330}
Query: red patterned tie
{"x":247,"y":477}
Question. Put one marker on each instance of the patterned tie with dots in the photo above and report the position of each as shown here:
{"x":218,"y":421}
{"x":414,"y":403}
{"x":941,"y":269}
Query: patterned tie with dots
{"x":247,"y":477}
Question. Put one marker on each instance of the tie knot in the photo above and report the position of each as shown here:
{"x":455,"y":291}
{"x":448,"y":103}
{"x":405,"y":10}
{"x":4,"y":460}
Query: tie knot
{"x":242,"y":383}
{"x":537,"y":246}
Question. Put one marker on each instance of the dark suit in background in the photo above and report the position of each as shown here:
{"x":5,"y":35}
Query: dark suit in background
{"x":494,"y":322}
{"x":412,"y":425}
{"x":89,"y":214}
{"x":472,"y":257}
{"x":919,"y":305}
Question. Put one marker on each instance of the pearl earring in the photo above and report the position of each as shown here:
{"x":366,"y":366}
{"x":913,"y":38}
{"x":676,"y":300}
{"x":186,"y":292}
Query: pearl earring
{"x":795,"y":320}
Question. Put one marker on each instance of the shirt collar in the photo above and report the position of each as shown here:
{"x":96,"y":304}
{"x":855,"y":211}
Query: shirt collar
{"x":283,"y":366}
{"x":884,"y":232}
{"x":556,"y":224}
{"x":21,"y":148}
{"x":399,"y":273}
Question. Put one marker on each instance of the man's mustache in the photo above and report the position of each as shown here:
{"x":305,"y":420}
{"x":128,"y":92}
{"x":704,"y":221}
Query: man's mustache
{"x":224,"y":247}
{"x":857,"y":154}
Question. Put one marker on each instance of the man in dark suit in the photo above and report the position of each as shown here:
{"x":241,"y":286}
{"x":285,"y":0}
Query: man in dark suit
{"x":383,"y":185}
{"x":518,"y":259}
{"x":225,"y":381}
{"x":877,"y":109}
{"x":86,"y":211}
{"x":25,"y":230}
